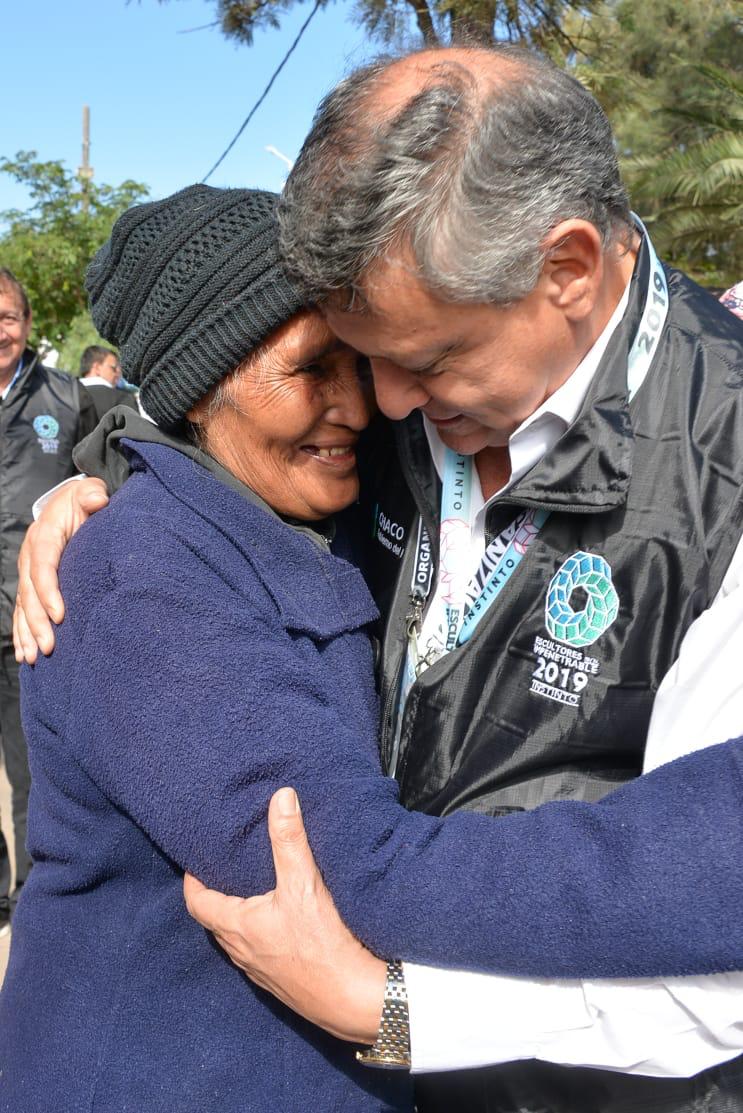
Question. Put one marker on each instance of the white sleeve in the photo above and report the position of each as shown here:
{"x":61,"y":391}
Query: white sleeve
{"x":700,"y":699}
{"x":42,"y":500}
{"x":670,"y":1028}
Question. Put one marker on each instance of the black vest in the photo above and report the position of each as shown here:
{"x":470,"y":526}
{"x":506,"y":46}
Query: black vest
{"x":41,"y":421}
{"x":650,"y":499}
{"x":645,"y":502}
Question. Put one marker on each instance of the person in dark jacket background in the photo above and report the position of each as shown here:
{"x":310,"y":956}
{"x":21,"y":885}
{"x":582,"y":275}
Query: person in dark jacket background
{"x":43,"y":415}
{"x":100,"y":375}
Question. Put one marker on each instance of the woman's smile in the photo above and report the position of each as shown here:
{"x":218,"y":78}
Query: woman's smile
{"x":292,"y":419}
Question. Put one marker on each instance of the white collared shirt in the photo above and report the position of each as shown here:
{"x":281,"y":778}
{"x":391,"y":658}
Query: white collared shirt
{"x":95,"y":380}
{"x":672,"y":1027}
{"x":527,"y":445}
{"x":13,"y":381}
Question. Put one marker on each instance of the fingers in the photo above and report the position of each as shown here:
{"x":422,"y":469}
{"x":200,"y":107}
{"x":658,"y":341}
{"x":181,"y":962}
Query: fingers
{"x":23,"y":641}
{"x":213,"y":910}
{"x":39,"y":601}
{"x":31,"y":626}
{"x":93,"y":495}
{"x":41,"y":598}
{"x":295,"y":865}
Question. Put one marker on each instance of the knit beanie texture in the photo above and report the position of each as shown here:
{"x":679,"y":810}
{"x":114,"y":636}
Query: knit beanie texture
{"x":186,"y":288}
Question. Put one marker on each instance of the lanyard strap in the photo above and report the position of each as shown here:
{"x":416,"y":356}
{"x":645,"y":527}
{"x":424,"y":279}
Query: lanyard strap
{"x":456,"y":495}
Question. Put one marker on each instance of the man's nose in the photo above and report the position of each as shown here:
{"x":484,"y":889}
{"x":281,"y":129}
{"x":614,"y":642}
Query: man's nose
{"x":398,"y":391}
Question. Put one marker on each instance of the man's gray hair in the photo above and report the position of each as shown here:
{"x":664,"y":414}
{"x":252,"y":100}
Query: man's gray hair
{"x":471,"y":177}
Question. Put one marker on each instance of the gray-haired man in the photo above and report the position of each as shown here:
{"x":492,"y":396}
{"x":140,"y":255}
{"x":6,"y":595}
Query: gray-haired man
{"x":460,"y":218}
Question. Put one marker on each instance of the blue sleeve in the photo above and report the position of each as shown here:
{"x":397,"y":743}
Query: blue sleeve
{"x":211,"y":712}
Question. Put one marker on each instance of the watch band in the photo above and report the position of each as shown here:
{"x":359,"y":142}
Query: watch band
{"x":392,"y":1045}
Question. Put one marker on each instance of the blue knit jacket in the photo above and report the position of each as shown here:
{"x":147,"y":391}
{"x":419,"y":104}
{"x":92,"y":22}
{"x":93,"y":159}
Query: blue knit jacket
{"x":211,"y":654}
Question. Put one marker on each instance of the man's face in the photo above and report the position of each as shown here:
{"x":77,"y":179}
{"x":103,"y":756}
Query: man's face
{"x":476,"y":371}
{"x":14,"y":330}
{"x":108,"y":369}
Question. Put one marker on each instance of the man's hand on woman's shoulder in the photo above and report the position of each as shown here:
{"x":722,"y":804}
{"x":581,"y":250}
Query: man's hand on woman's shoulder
{"x":292,"y":941}
{"x":39,"y":602}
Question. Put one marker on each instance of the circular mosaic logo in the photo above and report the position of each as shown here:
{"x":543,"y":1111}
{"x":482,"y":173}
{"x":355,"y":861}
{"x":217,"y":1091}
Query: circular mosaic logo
{"x":582,"y":627}
{"x":46,"y":427}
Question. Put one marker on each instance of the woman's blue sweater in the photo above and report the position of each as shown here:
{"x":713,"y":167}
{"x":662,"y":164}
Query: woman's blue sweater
{"x":211,"y":654}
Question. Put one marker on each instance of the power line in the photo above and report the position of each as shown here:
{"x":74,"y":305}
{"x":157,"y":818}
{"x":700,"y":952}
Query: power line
{"x":265,"y":92}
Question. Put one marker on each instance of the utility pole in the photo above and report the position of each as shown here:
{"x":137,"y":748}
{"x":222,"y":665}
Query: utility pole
{"x":85,"y":172}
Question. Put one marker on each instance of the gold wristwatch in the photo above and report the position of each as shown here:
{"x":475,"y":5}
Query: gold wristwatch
{"x":392,"y":1046}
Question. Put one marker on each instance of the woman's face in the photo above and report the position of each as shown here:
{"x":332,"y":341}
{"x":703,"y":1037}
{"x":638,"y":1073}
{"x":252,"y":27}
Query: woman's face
{"x":292,"y":417}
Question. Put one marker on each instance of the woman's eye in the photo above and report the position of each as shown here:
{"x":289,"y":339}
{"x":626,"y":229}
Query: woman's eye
{"x":316,"y":370}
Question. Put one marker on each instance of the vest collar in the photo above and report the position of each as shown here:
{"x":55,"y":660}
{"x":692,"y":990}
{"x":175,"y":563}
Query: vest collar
{"x":590,"y":468}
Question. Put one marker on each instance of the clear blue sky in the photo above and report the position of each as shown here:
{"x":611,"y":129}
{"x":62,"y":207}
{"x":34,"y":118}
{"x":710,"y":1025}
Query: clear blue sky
{"x":163,"y":104}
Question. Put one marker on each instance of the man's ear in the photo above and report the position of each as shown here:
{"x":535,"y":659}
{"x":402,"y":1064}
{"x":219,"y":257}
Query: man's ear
{"x":574,"y":267}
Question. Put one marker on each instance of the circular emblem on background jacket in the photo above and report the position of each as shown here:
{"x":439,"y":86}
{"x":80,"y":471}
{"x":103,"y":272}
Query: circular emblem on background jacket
{"x":46,"y":427}
{"x":573,"y":627}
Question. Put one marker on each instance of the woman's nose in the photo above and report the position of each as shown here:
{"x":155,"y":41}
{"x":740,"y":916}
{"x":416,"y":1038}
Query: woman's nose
{"x":352,"y":405}
{"x":398,"y":391}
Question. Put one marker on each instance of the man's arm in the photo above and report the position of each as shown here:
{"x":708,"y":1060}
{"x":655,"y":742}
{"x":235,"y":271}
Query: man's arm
{"x":59,"y":514}
{"x":671,"y":1027}
{"x":39,"y":601}
{"x":293,"y":943}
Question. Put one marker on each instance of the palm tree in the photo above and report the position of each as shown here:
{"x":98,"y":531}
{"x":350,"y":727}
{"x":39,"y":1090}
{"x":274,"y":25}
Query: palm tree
{"x":692,"y":195}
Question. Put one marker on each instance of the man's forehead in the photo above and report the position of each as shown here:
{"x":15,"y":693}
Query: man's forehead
{"x":10,"y":300}
{"x":393,"y":287}
{"x":399,"y":333}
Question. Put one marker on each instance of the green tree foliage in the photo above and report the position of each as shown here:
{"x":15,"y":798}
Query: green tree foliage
{"x":532,"y":22}
{"x":694,"y":194}
{"x":79,"y":336}
{"x":669,"y":76}
{"x":49,"y":245}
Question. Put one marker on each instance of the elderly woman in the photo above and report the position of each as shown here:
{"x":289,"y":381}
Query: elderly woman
{"x":215,"y":649}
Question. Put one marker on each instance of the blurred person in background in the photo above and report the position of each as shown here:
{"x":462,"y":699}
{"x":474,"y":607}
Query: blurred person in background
{"x":43,"y":415}
{"x":100,"y":374}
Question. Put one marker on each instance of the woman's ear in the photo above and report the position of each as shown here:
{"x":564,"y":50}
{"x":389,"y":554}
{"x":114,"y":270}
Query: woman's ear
{"x":574,"y":267}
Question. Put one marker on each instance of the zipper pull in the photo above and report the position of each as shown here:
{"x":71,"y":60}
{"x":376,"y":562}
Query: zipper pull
{"x":415,"y":615}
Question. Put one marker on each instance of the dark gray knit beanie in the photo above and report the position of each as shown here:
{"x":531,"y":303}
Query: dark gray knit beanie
{"x":186,"y":288}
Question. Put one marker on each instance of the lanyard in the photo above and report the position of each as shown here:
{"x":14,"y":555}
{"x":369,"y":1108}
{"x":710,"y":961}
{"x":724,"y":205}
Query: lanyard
{"x":460,"y":619}
{"x":456,"y":495}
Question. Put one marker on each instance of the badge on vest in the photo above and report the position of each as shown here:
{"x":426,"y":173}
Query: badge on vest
{"x":389,"y":534}
{"x":580,"y":606}
{"x":46,"y":428}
